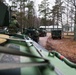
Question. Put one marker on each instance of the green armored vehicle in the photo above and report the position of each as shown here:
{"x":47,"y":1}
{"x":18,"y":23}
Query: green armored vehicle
{"x":31,"y":58}
{"x":4,"y":18}
{"x":20,"y":55}
{"x":42,"y":32}
{"x":32,"y":32}
{"x":56,"y":32}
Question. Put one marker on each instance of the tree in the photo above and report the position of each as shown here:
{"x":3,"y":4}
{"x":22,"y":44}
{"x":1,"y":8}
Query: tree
{"x":20,"y":11}
{"x":57,"y":12}
{"x":30,"y":14}
{"x":44,"y":10}
{"x":75,"y":21}
{"x":73,"y":2}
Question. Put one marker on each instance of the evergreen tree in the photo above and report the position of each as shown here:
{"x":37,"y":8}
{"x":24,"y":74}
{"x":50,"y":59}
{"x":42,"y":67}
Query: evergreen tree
{"x":73,"y":2}
{"x":57,"y":12}
{"x":44,"y":10}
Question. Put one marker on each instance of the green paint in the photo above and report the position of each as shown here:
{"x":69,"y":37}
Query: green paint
{"x":44,"y":70}
{"x":65,"y":69}
{"x":28,"y":70}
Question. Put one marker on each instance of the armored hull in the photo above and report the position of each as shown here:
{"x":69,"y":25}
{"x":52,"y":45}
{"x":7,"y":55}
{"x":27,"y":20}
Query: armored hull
{"x":19,"y":55}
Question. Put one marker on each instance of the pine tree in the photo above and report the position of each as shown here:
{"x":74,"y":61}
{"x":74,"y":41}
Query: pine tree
{"x":44,"y":9}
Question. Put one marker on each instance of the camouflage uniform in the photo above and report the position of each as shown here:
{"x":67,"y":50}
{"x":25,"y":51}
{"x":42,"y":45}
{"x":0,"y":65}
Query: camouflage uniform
{"x":14,"y":26}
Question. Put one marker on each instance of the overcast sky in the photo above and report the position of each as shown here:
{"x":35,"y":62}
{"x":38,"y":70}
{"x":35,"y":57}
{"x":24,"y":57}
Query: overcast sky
{"x":52,"y":2}
{"x":38,"y":2}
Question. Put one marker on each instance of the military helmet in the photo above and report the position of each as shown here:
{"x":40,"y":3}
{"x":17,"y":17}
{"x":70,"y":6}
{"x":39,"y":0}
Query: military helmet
{"x":13,"y":16}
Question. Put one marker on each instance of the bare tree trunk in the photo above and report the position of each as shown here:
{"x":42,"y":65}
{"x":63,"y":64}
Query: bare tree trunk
{"x":75,"y":22}
{"x":21,"y":15}
{"x":53,"y":20}
{"x":67,"y":16}
{"x":57,"y":17}
{"x":75,"y":25}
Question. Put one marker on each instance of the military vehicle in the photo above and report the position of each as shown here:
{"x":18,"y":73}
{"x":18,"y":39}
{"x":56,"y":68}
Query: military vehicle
{"x":32,"y":32}
{"x":32,"y":58}
{"x":56,"y":34}
{"x":4,"y":17}
{"x":42,"y":32}
{"x":20,"y":55}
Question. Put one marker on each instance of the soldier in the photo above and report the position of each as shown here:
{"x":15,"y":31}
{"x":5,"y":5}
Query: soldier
{"x":14,"y":25}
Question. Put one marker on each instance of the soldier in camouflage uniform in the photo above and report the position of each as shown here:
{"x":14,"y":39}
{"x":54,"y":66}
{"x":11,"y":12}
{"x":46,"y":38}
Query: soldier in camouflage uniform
{"x":14,"y":25}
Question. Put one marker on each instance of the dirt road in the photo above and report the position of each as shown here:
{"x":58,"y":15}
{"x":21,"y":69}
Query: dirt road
{"x":43,"y":40}
{"x":65,"y":46}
